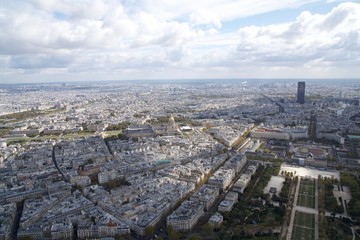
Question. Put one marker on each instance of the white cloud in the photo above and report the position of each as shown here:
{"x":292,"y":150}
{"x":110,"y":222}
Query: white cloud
{"x":164,"y":37}
{"x":48,"y":25}
{"x":312,"y":37}
{"x":218,"y":10}
{"x":204,"y":17}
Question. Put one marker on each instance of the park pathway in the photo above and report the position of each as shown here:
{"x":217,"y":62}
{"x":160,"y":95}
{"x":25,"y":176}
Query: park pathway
{"x":317,"y":210}
{"x":288,"y":236}
{"x":304,"y":210}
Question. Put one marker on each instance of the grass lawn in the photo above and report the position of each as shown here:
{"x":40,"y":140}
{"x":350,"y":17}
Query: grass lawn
{"x":301,"y":233}
{"x":306,"y":201}
{"x":12,"y":141}
{"x":112,"y":133}
{"x":305,"y":181}
{"x":308,"y":190}
{"x":77,"y":135}
{"x":305,"y":219}
{"x":306,"y":196}
{"x":304,"y":226}
{"x":68,"y":136}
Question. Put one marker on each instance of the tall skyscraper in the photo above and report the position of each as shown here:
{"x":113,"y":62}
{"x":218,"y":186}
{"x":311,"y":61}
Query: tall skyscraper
{"x":301,"y":93}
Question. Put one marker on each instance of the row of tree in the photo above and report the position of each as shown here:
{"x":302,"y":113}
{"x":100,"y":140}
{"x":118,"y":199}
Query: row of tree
{"x":119,"y":126}
{"x":331,"y":203}
{"x":351,"y":180}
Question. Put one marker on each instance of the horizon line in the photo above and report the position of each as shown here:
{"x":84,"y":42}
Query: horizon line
{"x":176,"y":79}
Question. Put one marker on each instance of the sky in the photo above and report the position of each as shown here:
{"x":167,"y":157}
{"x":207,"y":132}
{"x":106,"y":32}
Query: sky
{"x":81,"y":40}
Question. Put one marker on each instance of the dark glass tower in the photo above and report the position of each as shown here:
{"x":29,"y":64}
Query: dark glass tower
{"x":301,"y":93}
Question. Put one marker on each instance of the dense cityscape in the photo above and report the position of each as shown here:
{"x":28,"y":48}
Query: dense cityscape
{"x":181,"y":159}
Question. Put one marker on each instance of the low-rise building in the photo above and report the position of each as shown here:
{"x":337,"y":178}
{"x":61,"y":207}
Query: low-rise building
{"x":299,"y":133}
{"x":216,"y":220}
{"x":331,"y":137}
{"x":207,"y":194}
{"x":35,"y":232}
{"x":7,"y":217}
{"x":222,"y":177}
{"x":226,"y":205}
{"x":82,"y":181}
{"x":139,"y":131}
{"x":269,"y":133}
{"x":61,"y":230}
{"x":107,"y":175}
{"x":242,"y":183}
{"x":237,"y":162}
{"x":233,"y":196}
{"x":186,"y":216}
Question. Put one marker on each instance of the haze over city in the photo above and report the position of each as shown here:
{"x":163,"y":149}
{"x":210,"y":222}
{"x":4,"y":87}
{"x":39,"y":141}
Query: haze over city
{"x":44,"y":41}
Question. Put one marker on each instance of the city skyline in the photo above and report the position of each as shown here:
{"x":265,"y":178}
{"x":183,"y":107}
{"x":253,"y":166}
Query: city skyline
{"x":164,"y":160}
{"x":46,"y":41}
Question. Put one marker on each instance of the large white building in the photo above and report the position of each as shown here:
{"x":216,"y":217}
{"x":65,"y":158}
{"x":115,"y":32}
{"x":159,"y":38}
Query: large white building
{"x":269,"y":133}
{"x":299,"y":133}
{"x":226,"y":205}
{"x":62,"y":230}
{"x":237,"y":162}
{"x":332,"y":137}
{"x":80,"y":180}
{"x":107,"y":175}
{"x":222,"y":177}
{"x":280,"y":133}
{"x":186,"y":216}
{"x":242,"y":183}
{"x":216,"y":220}
{"x":207,"y":194}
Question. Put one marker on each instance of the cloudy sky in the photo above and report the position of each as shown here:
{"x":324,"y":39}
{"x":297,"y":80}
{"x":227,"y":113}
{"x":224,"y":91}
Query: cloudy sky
{"x":70,"y":40}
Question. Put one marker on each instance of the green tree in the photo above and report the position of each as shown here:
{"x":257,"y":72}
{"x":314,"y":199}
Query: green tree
{"x":149,"y":231}
{"x":174,"y":236}
{"x":207,"y":229}
{"x":121,"y":237}
{"x":171,"y":233}
{"x":195,"y":237}
{"x":169,"y":229}
{"x":26,"y":237}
